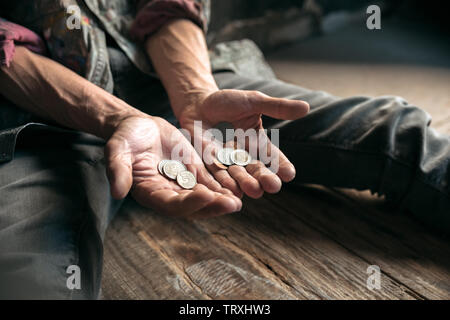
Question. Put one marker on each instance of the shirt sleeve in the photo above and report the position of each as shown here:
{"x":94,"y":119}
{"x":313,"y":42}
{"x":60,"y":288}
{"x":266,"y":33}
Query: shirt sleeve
{"x":153,"y":14}
{"x":12,"y":34}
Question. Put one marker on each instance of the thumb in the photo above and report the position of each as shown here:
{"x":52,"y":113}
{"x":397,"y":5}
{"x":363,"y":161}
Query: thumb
{"x":118,"y":168}
{"x":278,"y":108}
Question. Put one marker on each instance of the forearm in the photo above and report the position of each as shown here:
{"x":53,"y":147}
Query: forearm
{"x":51,"y":91}
{"x":180,"y":56}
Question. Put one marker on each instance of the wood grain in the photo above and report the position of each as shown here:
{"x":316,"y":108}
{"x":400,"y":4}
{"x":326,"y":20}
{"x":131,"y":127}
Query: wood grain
{"x":404,"y":250}
{"x":261,"y":253}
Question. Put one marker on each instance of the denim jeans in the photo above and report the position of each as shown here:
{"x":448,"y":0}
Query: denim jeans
{"x":55,"y":204}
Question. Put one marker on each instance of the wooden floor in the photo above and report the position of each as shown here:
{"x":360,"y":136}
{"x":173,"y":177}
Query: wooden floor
{"x":306,"y":242}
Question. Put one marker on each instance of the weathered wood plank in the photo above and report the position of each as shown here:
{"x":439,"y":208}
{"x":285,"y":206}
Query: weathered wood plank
{"x":301,"y":256}
{"x":133,"y":270}
{"x":402,"y":248}
{"x":181,"y":261}
{"x":261,"y":253}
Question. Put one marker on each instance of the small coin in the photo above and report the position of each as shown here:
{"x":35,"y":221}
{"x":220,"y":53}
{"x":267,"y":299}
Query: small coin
{"x":161,"y":165}
{"x":220,"y":165}
{"x":186,"y":180}
{"x":224,"y":156}
{"x":172,"y":167}
{"x":240,"y":157}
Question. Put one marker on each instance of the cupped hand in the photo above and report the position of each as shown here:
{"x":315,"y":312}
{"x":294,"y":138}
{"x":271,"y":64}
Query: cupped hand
{"x":133,"y":153}
{"x":243,"y":109}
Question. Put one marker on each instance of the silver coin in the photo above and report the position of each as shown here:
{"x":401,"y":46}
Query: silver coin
{"x":224,"y":156}
{"x":172,"y":167}
{"x":186,"y":180}
{"x":161,"y":165}
{"x":241,"y":157}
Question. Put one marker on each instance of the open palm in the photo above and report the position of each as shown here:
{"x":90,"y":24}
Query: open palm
{"x":243,"y":109}
{"x":133,"y":154}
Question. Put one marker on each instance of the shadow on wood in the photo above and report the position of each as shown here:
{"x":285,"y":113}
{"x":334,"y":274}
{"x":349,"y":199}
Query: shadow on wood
{"x":306,"y":243}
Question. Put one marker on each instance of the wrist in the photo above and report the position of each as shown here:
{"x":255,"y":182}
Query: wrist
{"x":186,"y":106}
{"x":118,"y":112}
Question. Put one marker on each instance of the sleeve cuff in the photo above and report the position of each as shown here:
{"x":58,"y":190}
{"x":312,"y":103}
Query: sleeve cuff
{"x":153,"y":15}
{"x":12,"y":34}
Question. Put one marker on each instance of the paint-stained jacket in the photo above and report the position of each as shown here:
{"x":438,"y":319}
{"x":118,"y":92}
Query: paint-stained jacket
{"x":42,"y":26}
{"x":84,"y":49}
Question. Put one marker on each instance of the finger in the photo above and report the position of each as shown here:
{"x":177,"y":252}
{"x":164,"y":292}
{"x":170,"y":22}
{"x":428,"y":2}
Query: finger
{"x":210,"y":149}
{"x":177,"y":204}
{"x":217,"y":169}
{"x":278,"y":108}
{"x":213,"y":185}
{"x":224,"y":178}
{"x":118,"y":169}
{"x":247,"y":183}
{"x":187,"y":202}
{"x":227,"y":202}
{"x":225,"y":191}
{"x":280,"y":164}
{"x":205,"y":178}
{"x":217,"y":207}
{"x":269,"y":181}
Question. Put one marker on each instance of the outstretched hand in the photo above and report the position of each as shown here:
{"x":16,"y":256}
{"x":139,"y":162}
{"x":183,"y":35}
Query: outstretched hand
{"x":133,"y":153}
{"x":243,"y":109}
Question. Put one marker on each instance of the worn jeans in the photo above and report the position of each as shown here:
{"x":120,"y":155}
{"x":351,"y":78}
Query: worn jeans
{"x":55,"y":204}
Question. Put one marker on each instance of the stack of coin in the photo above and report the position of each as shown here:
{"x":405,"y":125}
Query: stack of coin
{"x":176,"y":170}
{"x":228,"y":157}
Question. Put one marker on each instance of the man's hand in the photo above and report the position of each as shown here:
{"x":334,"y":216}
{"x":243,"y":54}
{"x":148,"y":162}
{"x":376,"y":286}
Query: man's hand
{"x":243,"y":109}
{"x":133,"y":153}
{"x":136,"y":141}
{"x":179,"y":54}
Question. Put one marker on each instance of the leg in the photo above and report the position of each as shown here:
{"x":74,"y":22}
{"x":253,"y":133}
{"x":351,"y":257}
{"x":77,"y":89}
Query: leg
{"x":55,"y":203}
{"x":54,"y":209}
{"x":381,"y":144}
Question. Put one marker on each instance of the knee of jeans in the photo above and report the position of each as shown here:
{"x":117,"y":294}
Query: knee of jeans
{"x":35,"y":268}
{"x":40,"y":253}
{"x":70,"y":269}
{"x":395,"y":99}
{"x":399,"y":107}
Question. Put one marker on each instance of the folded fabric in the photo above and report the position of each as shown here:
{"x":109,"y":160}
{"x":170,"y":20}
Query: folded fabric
{"x":12,"y":34}
{"x":152,"y":15}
